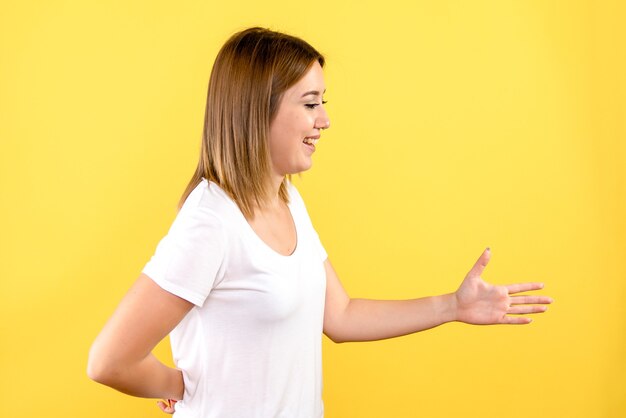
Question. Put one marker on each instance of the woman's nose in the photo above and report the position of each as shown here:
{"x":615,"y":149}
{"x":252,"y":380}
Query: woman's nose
{"x":323,"y":122}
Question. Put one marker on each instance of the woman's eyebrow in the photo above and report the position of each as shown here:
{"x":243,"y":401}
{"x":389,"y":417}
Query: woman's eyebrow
{"x":313,"y":93}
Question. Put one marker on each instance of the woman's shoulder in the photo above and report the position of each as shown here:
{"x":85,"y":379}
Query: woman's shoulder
{"x":209,"y":198}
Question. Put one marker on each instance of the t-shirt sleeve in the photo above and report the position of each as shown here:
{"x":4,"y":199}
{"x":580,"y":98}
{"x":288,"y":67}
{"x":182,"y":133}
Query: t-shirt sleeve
{"x":187,"y":261}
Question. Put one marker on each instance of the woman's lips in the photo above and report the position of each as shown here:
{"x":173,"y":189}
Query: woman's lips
{"x":310,"y":141}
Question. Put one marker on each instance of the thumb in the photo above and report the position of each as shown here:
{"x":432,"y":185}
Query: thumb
{"x":480,"y":264}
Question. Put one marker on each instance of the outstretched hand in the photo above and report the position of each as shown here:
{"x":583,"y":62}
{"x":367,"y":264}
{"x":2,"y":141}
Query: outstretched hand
{"x":481,"y":303}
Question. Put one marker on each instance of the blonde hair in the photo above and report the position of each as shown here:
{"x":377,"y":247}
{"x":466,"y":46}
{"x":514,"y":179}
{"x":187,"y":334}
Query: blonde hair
{"x":250,"y":74}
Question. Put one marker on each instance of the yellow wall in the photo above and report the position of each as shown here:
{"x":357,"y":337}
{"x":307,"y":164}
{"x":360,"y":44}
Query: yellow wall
{"x":456,"y":125}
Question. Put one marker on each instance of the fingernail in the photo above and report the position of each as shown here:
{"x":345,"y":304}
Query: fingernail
{"x":488,"y":249}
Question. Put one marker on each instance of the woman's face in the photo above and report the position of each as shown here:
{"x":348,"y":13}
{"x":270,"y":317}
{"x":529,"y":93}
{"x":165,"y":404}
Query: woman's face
{"x":298,"y":123}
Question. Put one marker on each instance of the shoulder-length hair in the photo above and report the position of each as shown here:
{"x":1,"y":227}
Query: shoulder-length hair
{"x":250,"y":74}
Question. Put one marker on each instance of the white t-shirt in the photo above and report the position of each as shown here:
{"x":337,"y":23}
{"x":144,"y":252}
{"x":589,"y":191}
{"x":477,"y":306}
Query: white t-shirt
{"x":251,"y":347}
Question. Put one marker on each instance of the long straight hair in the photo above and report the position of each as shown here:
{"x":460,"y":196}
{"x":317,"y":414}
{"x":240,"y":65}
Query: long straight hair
{"x":250,"y":74}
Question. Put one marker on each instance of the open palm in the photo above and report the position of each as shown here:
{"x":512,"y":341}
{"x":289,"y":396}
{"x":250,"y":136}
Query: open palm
{"x":481,"y":303}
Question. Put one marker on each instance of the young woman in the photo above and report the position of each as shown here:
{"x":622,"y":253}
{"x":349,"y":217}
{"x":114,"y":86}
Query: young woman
{"x":241,"y":282}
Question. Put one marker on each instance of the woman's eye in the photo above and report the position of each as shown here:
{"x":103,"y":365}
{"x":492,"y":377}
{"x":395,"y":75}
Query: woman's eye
{"x":314,"y":105}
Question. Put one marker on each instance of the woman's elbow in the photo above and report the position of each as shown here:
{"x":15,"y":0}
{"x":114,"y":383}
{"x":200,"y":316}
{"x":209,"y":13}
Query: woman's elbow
{"x":100,"y":368}
{"x":334,"y":336}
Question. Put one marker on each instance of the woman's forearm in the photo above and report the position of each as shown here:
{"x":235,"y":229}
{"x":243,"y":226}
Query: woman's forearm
{"x":369,"y":320}
{"x":148,"y":378}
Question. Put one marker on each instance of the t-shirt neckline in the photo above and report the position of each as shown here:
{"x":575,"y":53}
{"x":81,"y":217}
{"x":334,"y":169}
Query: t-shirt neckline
{"x":250,"y":231}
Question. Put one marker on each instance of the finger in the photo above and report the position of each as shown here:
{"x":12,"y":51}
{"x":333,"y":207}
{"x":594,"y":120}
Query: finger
{"x":523,"y":287}
{"x":527,"y":309}
{"x":168,"y":408}
{"x":515,"y":320}
{"x":530,"y":300}
{"x":481,"y":263}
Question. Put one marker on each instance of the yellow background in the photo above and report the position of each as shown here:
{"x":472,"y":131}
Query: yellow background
{"x":456,"y":125}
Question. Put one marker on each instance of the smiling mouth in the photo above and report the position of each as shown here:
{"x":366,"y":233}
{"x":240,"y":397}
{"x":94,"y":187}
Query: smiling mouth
{"x":310,"y":141}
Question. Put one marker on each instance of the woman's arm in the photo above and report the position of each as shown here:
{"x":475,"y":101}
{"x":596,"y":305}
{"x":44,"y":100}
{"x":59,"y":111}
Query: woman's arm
{"x":121,"y":357}
{"x":475,"y":302}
